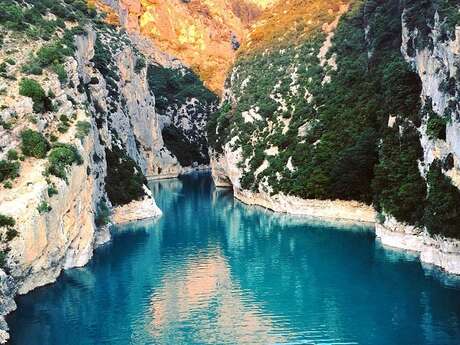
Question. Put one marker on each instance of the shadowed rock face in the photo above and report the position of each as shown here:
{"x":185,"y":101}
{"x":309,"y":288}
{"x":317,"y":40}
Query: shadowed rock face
{"x":199,"y":32}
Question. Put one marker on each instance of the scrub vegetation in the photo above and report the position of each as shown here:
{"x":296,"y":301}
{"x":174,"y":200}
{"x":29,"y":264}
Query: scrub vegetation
{"x":125,"y":180}
{"x":328,"y":115}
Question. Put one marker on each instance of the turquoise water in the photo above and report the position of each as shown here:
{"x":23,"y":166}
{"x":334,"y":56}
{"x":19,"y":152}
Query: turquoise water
{"x":214,"y":271}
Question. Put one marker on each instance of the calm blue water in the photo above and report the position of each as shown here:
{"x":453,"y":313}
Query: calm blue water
{"x":213,"y":271}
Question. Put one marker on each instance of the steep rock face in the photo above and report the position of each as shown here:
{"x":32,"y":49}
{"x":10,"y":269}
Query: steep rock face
{"x":97,"y":113}
{"x":438,"y":66}
{"x":226,"y":173}
{"x":331,"y":106}
{"x":198,"y":32}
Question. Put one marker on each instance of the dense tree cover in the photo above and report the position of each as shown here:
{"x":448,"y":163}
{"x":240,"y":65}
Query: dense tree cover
{"x":442,"y":212}
{"x":181,"y":147}
{"x":399,"y":188}
{"x":124,"y":180}
{"x":176,"y":86}
{"x":420,"y":15}
{"x":334,"y":127}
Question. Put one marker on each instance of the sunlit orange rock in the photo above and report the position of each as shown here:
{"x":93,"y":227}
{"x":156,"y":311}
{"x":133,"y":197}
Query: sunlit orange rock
{"x":292,"y":21}
{"x":199,"y":32}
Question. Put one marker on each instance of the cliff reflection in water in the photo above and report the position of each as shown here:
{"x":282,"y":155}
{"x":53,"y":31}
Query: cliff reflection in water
{"x":215,"y":271}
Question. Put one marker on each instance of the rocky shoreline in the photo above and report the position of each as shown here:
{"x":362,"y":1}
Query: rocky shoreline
{"x":443,"y":253}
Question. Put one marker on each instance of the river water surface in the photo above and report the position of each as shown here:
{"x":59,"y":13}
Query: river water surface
{"x":214,"y":271}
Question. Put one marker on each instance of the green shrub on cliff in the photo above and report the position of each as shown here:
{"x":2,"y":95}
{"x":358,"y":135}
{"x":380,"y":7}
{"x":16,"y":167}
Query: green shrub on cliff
{"x":442,"y":212}
{"x":436,"y":127}
{"x":61,"y":157}
{"x":83,"y":128}
{"x":34,"y":144}
{"x":11,"y":233}
{"x":31,"y":88}
{"x":44,"y":207}
{"x":179,"y":145}
{"x":125,"y":180}
{"x":6,"y":221}
{"x":8,"y":170}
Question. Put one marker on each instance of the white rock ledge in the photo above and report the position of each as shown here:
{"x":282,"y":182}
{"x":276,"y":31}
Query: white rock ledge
{"x":136,"y":210}
{"x":328,"y":209}
{"x":438,"y":251}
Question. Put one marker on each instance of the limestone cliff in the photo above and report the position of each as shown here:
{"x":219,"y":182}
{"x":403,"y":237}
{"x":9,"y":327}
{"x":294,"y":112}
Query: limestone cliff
{"x":332,"y":104}
{"x":81,"y":128}
{"x":204,"y":34}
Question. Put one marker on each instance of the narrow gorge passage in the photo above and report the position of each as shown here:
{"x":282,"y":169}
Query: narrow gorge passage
{"x":215,"y":271}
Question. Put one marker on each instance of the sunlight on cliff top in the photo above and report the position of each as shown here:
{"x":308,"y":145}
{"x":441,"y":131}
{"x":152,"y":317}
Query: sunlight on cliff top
{"x":199,"y":32}
{"x":294,"y":20}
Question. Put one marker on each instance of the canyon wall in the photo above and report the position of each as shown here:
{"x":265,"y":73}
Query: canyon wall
{"x":202,"y":34}
{"x":334,"y":116}
{"x":88,"y":112}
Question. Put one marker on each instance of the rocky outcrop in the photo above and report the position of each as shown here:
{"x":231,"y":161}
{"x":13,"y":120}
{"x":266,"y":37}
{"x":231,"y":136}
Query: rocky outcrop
{"x":257,"y":141}
{"x":434,"y":250}
{"x":136,"y":210}
{"x":60,"y":229}
{"x":225,"y":173}
{"x":198,"y":32}
{"x":436,"y":65}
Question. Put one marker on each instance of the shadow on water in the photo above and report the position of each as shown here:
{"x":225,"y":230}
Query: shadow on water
{"x":215,"y":271}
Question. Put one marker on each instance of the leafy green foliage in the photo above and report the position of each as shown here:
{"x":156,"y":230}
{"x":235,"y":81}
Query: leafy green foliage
{"x":52,"y":190}
{"x":59,"y":69}
{"x":354,"y":171}
{"x":436,"y":127}
{"x":140,"y":64}
{"x":442,"y":213}
{"x":182,"y":148}
{"x":61,"y":157}
{"x":31,"y":88}
{"x":175,"y":86}
{"x":8,"y":170}
{"x":44,"y":207}
{"x":83,"y":128}
{"x":124,"y":180}
{"x":34,"y":144}
{"x":11,"y":15}
{"x":12,"y":155}
{"x":6,"y":221}
{"x":399,"y":188}
{"x":64,"y":124}
{"x":10,"y":234}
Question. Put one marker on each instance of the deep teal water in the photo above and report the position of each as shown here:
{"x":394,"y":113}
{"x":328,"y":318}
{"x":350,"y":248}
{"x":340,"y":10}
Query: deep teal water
{"x":214,"y":271}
